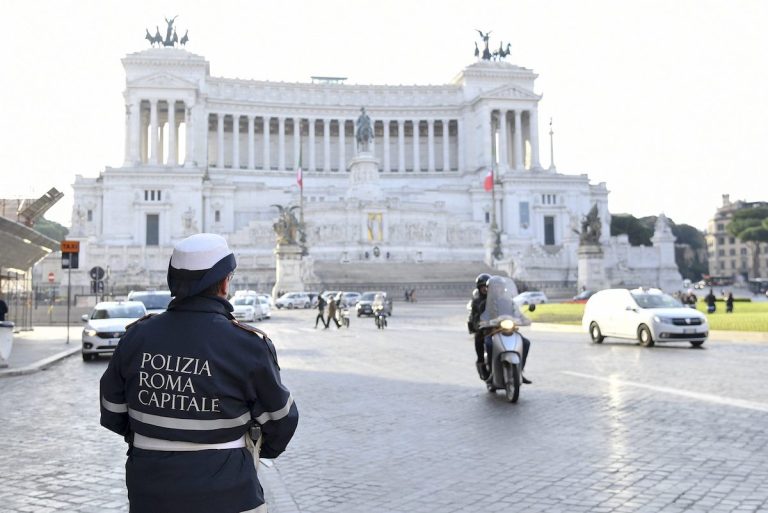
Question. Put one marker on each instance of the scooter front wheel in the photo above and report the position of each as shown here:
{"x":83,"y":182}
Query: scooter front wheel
{"x":512,"y":382}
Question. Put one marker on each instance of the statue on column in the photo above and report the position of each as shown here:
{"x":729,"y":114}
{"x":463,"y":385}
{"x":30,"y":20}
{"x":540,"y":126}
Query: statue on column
{"x":287,"y":228}
{"x":363,"y":131}
{"x":591,"y":228}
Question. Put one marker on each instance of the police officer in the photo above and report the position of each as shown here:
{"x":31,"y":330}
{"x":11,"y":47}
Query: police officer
{"x":186,"y":388}
{"x":479,"y":297}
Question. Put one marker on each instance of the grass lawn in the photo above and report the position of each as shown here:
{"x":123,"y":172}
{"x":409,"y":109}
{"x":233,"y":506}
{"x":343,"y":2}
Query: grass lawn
{"x":745,"y":317}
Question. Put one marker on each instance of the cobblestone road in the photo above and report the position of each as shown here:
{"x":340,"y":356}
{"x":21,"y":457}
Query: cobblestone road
{"x":397,"y":421}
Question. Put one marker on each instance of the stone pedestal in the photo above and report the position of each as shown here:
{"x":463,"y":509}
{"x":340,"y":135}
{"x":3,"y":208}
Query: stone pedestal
{"x":591,"y":268}
{"x":364,"y":178}
{"x":288,"y":269}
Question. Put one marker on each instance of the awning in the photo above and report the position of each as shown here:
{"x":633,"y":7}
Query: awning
{"x":22,"y":247}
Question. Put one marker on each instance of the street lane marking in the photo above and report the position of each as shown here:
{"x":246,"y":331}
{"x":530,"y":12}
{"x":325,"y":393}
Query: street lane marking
{"x":739,"y":403}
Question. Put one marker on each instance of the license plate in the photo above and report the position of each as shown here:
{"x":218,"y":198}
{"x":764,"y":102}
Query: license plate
{"x":114,"y":341}
{"x":689,"y":331}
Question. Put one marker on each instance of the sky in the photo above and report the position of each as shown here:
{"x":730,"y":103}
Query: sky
{"x":665,"y":101}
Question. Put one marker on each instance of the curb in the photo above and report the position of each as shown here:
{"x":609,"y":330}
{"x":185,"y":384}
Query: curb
{"x":720,"y":336}
{"x":40,"y":364}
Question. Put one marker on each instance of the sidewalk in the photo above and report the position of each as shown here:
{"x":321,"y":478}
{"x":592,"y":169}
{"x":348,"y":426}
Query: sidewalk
{"x":40,"y":348}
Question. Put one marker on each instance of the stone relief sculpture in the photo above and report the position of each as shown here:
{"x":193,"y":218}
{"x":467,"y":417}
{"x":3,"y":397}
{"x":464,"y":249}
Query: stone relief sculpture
{"x":287,"y":228}
{"x":591,"y":227}
{"x":363,"y":131}
{"x":188,"y":223}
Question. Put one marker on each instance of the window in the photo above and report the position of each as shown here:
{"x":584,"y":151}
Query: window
{"x":720,"y":241}
{"x":525,"y":220}
{"x":722,"y":265}
{"x":152,"y":195}
{"x":732,"y":240}
{"x":90,"y":215}
{"x":549,"y":230}
{"x":217,"y":216}
{"x":720,"y":227}
{"x":732,"y":252}
{"x":720,"y":252}
{"x":743,"y":251}
{"x":487,"y":217}
{"x":153,"y":229}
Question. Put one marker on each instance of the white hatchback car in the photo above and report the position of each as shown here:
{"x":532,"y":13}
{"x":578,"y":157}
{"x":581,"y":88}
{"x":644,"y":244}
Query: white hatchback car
{"x":646,"y":315}
{"x":293,"y":300}
{"x":106,"y":324}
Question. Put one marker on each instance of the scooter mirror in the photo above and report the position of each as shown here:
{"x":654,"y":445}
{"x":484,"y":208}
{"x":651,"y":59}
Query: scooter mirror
{"x":531,"y":307}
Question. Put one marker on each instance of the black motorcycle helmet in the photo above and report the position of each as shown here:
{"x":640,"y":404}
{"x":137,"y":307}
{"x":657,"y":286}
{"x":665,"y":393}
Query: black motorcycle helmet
{"x":482,"y":280}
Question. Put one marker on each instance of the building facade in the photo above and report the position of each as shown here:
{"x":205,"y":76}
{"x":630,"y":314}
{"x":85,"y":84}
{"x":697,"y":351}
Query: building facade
{"x":216,"y":154}
{"x":729,"y":256}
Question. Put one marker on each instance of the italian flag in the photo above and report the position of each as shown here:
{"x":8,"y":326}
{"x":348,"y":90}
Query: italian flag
{"x":299,"y":175}
{"x":488,"y":182}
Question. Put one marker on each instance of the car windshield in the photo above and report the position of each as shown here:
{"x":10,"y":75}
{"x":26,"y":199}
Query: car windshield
{"x":118,"y":312}
{"x":645,"y":300}
{"x":152,"y":300}
{"x":244,"y":301}
{"x":368,"y":296}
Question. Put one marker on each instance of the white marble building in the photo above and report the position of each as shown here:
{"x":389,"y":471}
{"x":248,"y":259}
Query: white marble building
{"x":215,"y":154}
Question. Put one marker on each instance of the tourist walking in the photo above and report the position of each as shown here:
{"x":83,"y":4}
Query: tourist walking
{"x":710,"y":299}
{"x":321,"y":303}
{"x":333,"y":306}
{"x":729,"y":303}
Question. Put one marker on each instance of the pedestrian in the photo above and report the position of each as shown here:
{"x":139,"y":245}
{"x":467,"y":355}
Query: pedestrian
{"x":321,"y":310}
{"x":3,"y":309}
{"x":729,"y":303}
{"x":195,"y":394}
{"x":332,"y":307}
{"x":710,"y":299}
{"x":407,"y":295}
{"x":412,"y":295}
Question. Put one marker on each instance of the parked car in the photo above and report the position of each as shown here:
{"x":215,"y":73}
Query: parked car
{"x":270,"y":300}
{"x":364,"y":304}
{"x":581,"y":297}
{"x":155,"y":301}
{"x":647,"y":315}
{"x":247,"y":308}
{"x":291,"y":300}
{"x":313,"y":298}
{"x":349,"y":299}
{"x":532,"y":297}
{"x":106,"y":324}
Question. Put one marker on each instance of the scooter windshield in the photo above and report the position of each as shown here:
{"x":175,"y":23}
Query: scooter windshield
{"x":501,"y":291}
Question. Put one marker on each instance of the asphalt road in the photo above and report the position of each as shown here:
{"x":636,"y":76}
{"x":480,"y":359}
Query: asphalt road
{"x":397,"y":421}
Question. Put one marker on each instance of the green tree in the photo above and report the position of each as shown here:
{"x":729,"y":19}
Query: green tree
{"x":638,"y":232}
{"x":750,"y":225}
{"x":51,"y":229}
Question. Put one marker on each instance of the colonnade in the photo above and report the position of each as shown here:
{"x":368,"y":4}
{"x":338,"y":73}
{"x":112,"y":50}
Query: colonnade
{"x":327,"y":144}
{"x":517,"y":137}
{"x":148,"y":121}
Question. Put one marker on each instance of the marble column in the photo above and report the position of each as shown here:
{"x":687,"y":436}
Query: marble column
{"x":518,"y":145}
{"x":143,"y":128}
{"x":235,"y":141}
{"x":503,"y":149}
{"x":401,"y":145}
{"x":326,"y":145}
{"x":342,"y":146}
{"x":173,"y":150}
{"x":266,"y":164}
{"x":460,"y":152}
{"x":430,"y":145}
{"x":446,"y":148}
{"x":296,"y":142}
{"x":153,"y":141}
{"x":189,"y":136}
{"x":416,"y":149}
{"x":311,"y":144}
{"x":220,"y":144}
{"x":386,"y":146}
{"x":534,"y":128}
{"x":251,"y":156}
{"x":134,"y":142}
{"x":281,"y":143}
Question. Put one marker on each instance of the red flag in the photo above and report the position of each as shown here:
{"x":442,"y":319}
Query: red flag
{"x":488,"y":182}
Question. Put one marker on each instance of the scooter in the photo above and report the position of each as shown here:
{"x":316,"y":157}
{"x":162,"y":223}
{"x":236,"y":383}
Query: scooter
{"x":502,"y":319}
{"x":380,"y":318}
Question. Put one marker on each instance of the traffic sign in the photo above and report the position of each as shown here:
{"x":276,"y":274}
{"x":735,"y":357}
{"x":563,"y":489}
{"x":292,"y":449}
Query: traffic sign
{"x":70,"y":246}
{"x":51,"y":277}
{"x":96,"y":273}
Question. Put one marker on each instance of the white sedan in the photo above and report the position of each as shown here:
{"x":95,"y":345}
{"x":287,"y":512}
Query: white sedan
{"x":532,"y":297}
{"x":646,"y":315}
{"x":106,"y":324}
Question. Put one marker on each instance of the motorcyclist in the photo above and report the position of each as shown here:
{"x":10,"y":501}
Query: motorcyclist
{"x":482,"y":342}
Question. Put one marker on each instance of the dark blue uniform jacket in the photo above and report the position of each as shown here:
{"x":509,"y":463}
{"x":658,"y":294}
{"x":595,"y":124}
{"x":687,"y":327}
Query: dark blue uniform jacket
{"x":194,"y":374}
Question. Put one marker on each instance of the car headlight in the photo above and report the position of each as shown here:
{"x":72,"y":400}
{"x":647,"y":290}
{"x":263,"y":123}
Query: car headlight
{"x":663,"y":320}
{"x":89,"y":333}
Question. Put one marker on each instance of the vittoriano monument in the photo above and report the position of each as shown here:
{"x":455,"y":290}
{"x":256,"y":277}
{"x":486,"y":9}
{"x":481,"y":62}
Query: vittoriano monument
{"x":487,"y":54}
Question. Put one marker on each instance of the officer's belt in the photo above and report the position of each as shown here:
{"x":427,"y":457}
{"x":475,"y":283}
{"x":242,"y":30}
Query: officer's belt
{"x":158,"y":444}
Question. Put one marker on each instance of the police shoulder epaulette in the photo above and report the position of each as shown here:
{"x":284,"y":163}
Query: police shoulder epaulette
{"x":139,"y":320}
{"x":248,"y":327}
